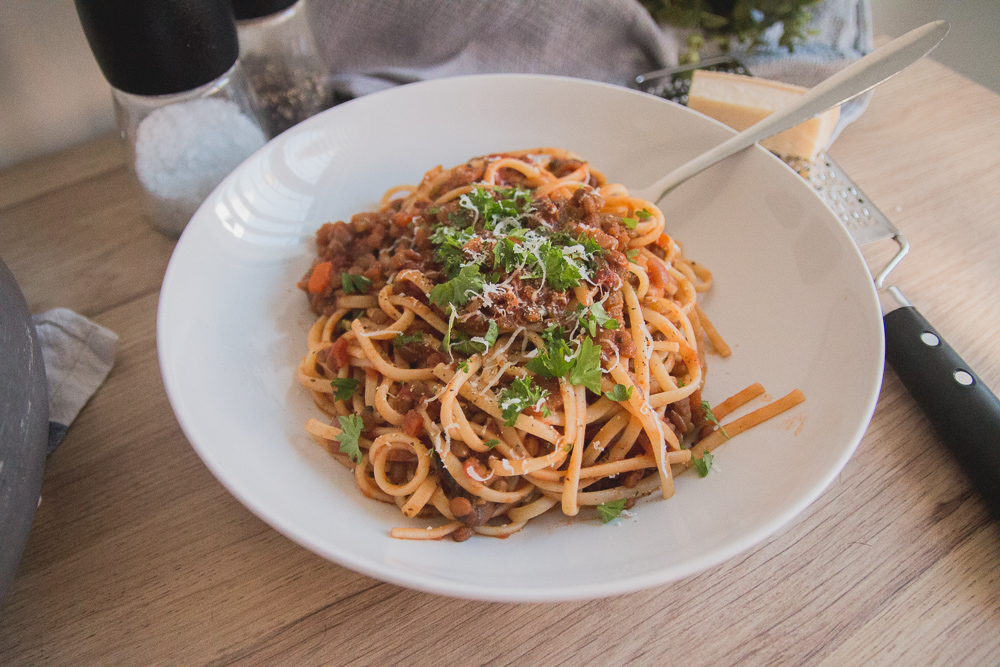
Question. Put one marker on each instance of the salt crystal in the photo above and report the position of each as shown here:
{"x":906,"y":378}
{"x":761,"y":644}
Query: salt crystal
{"x":184,"y":150}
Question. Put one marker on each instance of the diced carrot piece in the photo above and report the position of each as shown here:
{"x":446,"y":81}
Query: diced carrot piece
{"x":663,"y":241}
{"x":402,"y":219}
{"x":320,"y":278}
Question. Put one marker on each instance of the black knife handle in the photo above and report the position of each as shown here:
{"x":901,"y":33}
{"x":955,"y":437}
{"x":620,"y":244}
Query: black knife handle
{"x":960,"y":406}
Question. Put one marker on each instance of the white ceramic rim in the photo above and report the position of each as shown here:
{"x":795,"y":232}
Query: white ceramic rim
{"x":379,"y":570}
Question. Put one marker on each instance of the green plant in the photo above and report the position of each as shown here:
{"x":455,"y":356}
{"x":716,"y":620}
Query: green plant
{"x":720,"y":21}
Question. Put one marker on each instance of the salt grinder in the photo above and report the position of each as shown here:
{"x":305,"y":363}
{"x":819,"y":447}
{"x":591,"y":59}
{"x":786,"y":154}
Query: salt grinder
{"x":182,"y":102}
{"x":279,"y":55}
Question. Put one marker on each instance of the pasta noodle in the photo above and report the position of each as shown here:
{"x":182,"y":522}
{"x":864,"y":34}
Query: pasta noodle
{"x":509,"y":336}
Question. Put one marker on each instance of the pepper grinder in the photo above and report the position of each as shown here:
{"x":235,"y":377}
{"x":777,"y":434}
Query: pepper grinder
{"x":182,"y":102}
{"x":278,"y":52}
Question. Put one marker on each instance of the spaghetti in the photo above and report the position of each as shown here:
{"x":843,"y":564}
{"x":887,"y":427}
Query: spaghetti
{"x":508,"y":336}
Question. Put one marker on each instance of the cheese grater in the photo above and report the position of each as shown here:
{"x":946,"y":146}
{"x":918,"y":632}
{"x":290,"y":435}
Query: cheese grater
{"x":964,"y":411}
{"x":862,"y":219}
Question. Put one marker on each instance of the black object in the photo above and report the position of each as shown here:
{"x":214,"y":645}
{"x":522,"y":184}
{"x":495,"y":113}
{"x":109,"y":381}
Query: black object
{"x":160,"y":47}
{"x":254,"y":9}
{"x":24,"y":424}
{"x":958,"y":404}
{"x":674,"y":84}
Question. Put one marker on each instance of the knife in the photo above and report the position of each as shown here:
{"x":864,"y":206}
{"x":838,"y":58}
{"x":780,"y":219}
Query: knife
{"x":964,"y":411}
{"x":957,"y":402}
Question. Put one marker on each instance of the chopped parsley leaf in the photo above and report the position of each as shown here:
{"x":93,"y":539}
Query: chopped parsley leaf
{"x":491,"y":206}
{"x":632,"y":254}
{"x":519,"y":397}
{"x":492,"y":332}
{"x":345,"y":388}
{"x":403,"y":339}
{"x":711,"y":417}
{"x":702,"y":465}
{"x":643,"y":214}
{"x":619,"y":393}
{"x":464,"y":365}
{"x":352,"y":426}
{"x":556,"y":360}
{"x":595,"y":316}
{"x":490,"y":444}
{"x":630,"y":222}
{"x":459,"y":289}
{"x":610,"y":510}
{"x":470,"y":346}
{"x":354,"y":284}
{"x":587,"y":367}
{"x":449,"y":243}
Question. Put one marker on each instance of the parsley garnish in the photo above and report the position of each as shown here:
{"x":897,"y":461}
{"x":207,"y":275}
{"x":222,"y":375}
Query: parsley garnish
{"x":564,"y":268}
{"x":491,"y":206}
{"x":519,"y":397}
{"x":711,"y":417}
{"x":490,"y":444}
{"x":464,"y":365}
{"x":352,"y":426}
{"x":557,"y":360}
{"x":619,"y":393}
{"x":702,"y":465}
{"x":403,"y":339}
{"x":595,"y":316}
{"x":450,"y":247}
{"x":587,"y":367}
{"x":354,"y":284}
{"x":632,"y":254}
{"x":491,"y":334}
{"x":459,"y":289}
{"x":643,"y":214}
{"x":611,"y":509}
{"x":470,"y":346}
{"x":345,"y":388}
{"x":630,"y":222}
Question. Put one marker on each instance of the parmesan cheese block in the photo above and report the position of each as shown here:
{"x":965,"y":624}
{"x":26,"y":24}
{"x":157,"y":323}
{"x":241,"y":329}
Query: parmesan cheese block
{"x":740,"y":101}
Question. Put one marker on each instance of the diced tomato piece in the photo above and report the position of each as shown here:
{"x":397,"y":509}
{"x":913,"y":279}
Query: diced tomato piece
{"x":413,"y":424}
{"x":338,"y":352}
{"x":658,"y":275}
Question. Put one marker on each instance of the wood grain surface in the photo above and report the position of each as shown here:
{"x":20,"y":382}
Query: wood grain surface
{"x":138,"y":556}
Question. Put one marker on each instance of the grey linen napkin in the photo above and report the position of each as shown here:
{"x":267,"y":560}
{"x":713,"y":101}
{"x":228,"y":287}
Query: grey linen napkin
{"x":78,"y":355}
{"x":371,"y":46}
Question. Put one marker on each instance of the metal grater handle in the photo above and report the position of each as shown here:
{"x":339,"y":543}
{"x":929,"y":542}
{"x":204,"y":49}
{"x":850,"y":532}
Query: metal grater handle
{"x":862,"y":219}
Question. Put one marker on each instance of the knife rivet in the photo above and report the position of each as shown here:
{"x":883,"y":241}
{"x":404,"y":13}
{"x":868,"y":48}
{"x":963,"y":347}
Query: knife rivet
{"x":930,"y":339}
{"x":964,"y":378}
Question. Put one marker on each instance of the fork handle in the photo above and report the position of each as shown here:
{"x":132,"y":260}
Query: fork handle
{"x":958,"y":404}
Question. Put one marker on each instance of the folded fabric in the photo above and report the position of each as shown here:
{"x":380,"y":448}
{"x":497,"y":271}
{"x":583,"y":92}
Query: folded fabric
{"x":370,"y":46}
{"x":78,"y":355}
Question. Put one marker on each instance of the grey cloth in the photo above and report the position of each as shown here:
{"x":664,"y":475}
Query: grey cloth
{"x":370,"y":46}
{"x":78,"y":355}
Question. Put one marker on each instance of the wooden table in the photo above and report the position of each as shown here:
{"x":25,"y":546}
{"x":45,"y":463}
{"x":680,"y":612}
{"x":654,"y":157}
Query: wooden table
{"x":139,"y":556}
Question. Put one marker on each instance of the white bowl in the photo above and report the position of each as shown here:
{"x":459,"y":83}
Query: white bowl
{"x":792,"y":296}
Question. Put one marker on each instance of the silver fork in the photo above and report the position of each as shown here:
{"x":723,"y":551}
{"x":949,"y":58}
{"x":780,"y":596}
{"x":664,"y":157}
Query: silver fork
{"x":960,"y":406}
